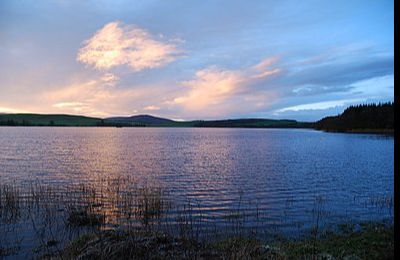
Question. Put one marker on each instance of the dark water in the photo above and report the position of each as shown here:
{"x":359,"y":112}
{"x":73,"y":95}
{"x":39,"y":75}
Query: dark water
{"x":281,"y":171}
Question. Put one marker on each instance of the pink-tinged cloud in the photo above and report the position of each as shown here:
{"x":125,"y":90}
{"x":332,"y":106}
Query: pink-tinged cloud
{"x":210,"y":86}
{"x":151,"y":108}
{"x":97,"y":97}
{"x":81,"y":97}
{"x":263,"y":68}
{"x":109,"y":79}
{"x":117,"y":44}
{"x":226,"y":91}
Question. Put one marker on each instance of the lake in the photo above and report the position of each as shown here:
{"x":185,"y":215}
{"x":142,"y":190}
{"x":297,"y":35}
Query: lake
{"x":276,"y":176}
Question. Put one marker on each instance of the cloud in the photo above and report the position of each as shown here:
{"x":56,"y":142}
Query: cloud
{"x":95,"y":97}
{"x":117,"y":44}
{"x":109,"y":79}
{"x":209,"y":87}
{"x":336,"y":74}
{"x":68,"y":104}
{"x":85,"y":97}
{"x":320,"y":105}
{"x":11,"y":110}
{"x":262,"y":69}
{"x":151,"y":108}
{"x":218,"y":91}
{"x":382,"y":87}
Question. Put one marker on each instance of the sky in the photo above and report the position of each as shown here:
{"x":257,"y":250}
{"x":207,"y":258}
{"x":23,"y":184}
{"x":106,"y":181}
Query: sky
{"x":195,"y":59}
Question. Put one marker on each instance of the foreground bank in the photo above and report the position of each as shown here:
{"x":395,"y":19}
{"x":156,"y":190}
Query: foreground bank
{"x":371,"y":240}
{"x":90,"y":222}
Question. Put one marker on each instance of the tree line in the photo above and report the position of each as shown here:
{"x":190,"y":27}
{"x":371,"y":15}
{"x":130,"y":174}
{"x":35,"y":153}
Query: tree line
{"x":365,"y":116}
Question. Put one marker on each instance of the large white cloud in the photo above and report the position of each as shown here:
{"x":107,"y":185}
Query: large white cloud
{"x":118,"y":44}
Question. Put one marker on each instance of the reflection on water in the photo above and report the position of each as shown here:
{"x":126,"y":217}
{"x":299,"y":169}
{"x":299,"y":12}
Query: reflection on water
{"x":274,"y":175}
{"x":211,"y":166}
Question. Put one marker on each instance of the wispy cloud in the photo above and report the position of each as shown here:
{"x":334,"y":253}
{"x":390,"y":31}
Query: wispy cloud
{"x":11,"y":110}
{"x":109,"y":79}
{"x":118,"y":44}
{"x":320,"y":105}
{"x":75,"y":105}
{"x":84,"y":97}
{"x":263,"y":68}
{"x":92,"y":97}
{"x":95,"y":97}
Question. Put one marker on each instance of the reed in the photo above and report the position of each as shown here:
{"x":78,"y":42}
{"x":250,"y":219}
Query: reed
{"x":118,"y":215}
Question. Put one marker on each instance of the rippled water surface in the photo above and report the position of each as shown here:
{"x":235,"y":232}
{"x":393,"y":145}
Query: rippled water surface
{"x":209,"y":165}
{"x":279,"y":171}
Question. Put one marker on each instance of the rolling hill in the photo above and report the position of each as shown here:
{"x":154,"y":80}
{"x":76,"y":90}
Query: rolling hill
{"x":138,"y":120}
{"x":361,"y":118}
{"x":47,"y":120}
{"x":251,"y":123}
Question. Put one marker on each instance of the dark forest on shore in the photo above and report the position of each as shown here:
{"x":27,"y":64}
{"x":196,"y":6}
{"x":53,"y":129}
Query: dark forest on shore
{"x":368,"y":117}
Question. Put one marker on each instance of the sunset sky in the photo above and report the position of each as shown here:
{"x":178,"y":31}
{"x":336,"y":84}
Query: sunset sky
{"x":195,"y":59}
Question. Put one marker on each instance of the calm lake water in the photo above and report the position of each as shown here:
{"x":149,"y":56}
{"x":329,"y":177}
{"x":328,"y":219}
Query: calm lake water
{"x":279,"y":172}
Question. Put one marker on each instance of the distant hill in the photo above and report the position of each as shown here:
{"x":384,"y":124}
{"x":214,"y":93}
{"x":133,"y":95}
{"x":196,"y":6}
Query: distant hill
{"x":47,"y":120}
{"x":361,"y":118}
{"x":139,"y":120}
{"x":147,"y":120}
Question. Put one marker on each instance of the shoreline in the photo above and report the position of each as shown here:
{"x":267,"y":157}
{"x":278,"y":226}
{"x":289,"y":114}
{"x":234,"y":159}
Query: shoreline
{"x":361,"y":131}
{"x":389,"y":132}
{"x":372,"y":240}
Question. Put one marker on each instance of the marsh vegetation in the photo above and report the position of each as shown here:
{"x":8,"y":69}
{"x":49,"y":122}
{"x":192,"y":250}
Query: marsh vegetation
{"x":116,"y":218}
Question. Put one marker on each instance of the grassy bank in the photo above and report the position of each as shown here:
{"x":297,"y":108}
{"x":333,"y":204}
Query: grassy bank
{"x":370,"y":241}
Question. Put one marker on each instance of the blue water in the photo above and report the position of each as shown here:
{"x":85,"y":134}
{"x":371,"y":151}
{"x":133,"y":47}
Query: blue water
{"x":279,"y":172}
